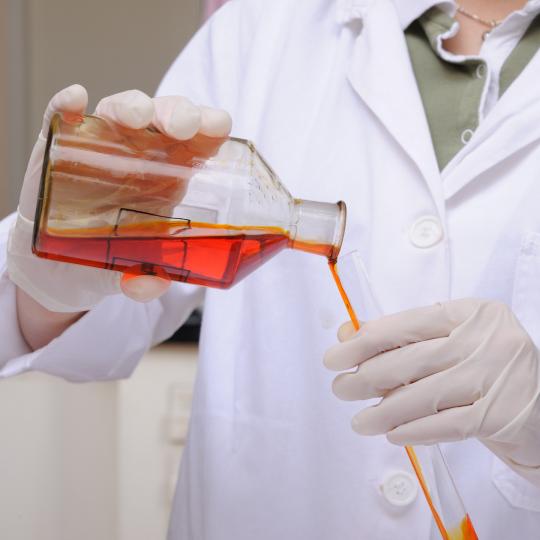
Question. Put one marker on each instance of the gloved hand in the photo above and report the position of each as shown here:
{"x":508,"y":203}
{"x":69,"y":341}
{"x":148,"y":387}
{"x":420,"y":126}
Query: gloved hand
{"x":71,"y":288}
{"x":461,"y":369}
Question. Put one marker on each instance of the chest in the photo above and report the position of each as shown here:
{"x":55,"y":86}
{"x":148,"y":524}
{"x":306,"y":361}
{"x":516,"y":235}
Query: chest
{"x":339,"y":119}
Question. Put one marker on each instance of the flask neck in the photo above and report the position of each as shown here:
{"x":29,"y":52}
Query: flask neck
{"x":318,"y":227}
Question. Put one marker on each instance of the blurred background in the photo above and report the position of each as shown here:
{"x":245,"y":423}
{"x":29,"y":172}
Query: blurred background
{"x":94,"y":461}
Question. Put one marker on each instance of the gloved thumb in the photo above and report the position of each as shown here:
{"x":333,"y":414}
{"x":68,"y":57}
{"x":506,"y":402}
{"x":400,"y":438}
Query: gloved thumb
{"x":346,"y":331}
{"x":73,"y":99}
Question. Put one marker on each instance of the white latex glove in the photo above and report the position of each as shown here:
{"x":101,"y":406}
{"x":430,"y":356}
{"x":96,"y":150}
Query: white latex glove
{"x":461,"y":369}
{"x":72,"y":288}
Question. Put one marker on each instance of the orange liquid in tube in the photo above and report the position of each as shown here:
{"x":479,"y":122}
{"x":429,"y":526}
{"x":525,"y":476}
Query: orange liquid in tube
{"x":467,"y":529}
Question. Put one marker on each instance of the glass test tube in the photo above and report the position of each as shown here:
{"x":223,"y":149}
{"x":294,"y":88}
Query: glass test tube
{"x":440,"y":490}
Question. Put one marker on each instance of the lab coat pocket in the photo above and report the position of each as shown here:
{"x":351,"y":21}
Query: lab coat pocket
{"x":526,"y":290}
{"x":517,"y":491}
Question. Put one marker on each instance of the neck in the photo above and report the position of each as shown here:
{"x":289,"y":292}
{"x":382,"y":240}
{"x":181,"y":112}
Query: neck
{"x":492,"y":9}
{"x":469,"y":39}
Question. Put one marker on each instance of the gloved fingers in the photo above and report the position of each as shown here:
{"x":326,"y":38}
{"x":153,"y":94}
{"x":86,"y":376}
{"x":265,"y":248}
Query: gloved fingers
{"x":60,"y":287}
{"x":398,"y":330}
{"x":422,"y":399}
{"x":215,"y":122}
{"x":456,"y":424}
{"x":379,"y":375}
{"x":144,"y":288}
{"x":132,"y":109}
{"x":346,"y":331}
{"x":72,"y":99}
{"x":177,"y":117}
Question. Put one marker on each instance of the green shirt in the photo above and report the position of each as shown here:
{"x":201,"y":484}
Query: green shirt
{"x":451,"y":92}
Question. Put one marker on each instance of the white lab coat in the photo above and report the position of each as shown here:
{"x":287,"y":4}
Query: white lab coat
{"x":326,"y":91}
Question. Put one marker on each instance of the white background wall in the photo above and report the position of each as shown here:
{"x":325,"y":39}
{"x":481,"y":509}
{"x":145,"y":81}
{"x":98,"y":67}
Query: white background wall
{"x":58,"y":460}
{"x":153,"y":415}
{"x":96,"y":461}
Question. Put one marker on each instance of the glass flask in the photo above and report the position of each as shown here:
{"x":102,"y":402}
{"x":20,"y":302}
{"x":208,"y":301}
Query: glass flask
{"x":206,"y":211}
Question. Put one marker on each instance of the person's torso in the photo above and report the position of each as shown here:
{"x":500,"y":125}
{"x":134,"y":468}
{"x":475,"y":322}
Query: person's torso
{"x":334,"y":107}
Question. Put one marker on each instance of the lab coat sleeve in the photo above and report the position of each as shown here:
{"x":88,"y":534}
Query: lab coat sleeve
{"x":211,"y":68}
{"x":106,"y":343}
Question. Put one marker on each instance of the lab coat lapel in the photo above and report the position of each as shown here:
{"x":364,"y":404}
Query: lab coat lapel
{"x":382,"y":74}
{"x":512,"y":125}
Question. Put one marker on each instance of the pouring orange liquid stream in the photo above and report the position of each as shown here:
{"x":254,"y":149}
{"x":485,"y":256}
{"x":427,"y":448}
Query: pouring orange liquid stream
{"x":465,"y":530}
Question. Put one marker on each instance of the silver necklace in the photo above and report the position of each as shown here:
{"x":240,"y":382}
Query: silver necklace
{"x":490,"y":23}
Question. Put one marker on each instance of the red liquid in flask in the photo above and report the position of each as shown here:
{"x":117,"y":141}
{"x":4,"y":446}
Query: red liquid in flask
{"x":211,"y":255}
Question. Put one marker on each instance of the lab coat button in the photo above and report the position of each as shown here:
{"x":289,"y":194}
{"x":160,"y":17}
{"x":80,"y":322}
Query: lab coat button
{"x":481,"y":70}
{"x":467,"y":135}
{"x":399,"y":488}
{"x":426,"y":232}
